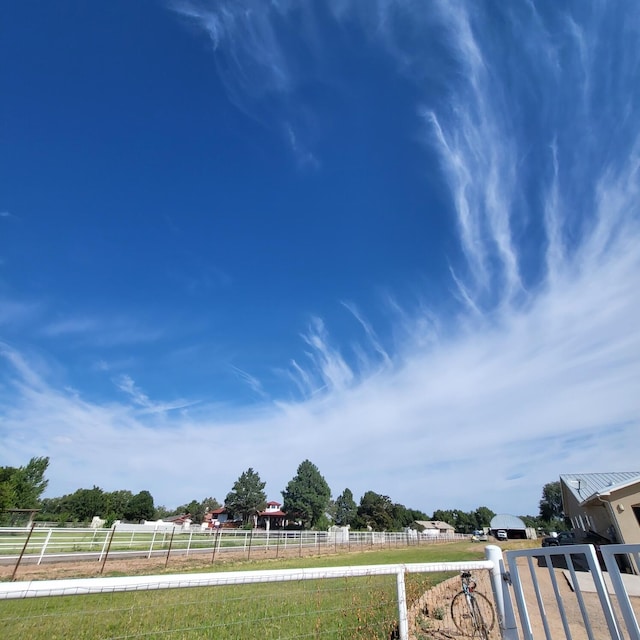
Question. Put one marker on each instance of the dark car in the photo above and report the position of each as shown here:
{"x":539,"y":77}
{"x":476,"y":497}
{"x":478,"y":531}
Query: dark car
{"x":575,"y":537}
{"x":578,"y":537}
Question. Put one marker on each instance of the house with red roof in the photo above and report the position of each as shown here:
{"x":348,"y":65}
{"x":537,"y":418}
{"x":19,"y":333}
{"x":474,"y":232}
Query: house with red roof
{"x":272,"y":517}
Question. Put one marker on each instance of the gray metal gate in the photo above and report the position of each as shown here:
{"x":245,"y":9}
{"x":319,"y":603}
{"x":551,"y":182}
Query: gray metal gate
{"x":563,"y":592}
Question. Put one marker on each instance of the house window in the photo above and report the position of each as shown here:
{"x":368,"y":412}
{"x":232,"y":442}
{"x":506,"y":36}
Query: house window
{"x":636,"y":512}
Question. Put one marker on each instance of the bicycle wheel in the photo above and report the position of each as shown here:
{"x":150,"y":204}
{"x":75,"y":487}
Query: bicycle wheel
{"x":483,"y":624}
{"x":473,"y":617}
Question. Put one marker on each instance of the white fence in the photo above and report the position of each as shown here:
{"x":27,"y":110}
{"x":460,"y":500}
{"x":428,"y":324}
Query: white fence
{"x":39,"y":545}
{"x":551,"y":593}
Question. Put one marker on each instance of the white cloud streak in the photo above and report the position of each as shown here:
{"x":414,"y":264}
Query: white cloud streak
{"x":107,"y":330}
{"x":127,"y":385}
{"x":251,"y":381}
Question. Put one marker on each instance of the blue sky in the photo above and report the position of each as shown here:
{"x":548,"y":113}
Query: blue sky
{"x":399,"y":239}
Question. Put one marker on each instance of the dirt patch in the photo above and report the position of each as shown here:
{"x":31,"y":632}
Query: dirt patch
{"x":145,"y":566}
{"x":430,"y":617}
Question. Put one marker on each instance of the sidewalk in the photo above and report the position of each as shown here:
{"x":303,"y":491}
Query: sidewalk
{"x":585,"y":583}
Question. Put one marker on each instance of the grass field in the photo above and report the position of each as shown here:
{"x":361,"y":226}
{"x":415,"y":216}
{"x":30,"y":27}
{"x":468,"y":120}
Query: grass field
{"x":337,"y":608}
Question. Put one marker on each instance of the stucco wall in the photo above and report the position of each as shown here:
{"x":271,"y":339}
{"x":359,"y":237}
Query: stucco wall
{"x":622,"y":502}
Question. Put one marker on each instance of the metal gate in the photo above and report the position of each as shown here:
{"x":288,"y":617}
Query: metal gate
{"x":572,"y":592}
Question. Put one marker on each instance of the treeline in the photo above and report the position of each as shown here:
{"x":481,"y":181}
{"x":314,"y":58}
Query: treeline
{"x":84,"y":504}
{"x":306,"y":501}
{"x":21,"y":488}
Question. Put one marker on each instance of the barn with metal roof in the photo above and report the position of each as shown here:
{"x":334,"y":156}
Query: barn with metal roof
{"x":514,"y":526}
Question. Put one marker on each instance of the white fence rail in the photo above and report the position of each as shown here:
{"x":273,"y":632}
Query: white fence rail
{"x":41,"y":545}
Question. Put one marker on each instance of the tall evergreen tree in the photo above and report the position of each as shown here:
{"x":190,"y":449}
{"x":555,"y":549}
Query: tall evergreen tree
{"x":307,"y":495}
{"x":247,"y":495}
{"x":346,"y":508}
{"x":376,"y":512}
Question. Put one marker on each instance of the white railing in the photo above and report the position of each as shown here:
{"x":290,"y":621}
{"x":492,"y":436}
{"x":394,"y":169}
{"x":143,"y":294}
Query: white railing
{"x":42,"y":544}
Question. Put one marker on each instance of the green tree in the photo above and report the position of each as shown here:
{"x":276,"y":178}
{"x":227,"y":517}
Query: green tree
{"x":551,"y":503}
{"x":7,"y":489}
{"x":21,"y":488}
{"x":209,"y":504}
{"x":375,"y":511}
{"x":307,"y":495}
{"x":118,"y":503}
{"x":247,"y":495}
{"x":346,"y":509}
{"x":483,"y":517}
{"x":140,"y":507}
{"x":162,"y":512}
{"x":463,"y":521}
{"x":197,"y":509}
{"x":50,"y":508}
{"x":401,"y":517}
{"x":535,"y":522}
{"x":83,"y":504}
{"x":194,"y":509}
{"x":445,"y":515}
{"x":416,"y":514}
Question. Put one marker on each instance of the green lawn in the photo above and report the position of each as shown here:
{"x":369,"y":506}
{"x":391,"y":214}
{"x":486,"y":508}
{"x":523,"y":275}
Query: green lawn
{"x":337,"y":608}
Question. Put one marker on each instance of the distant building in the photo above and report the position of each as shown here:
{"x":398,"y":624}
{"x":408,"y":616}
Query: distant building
{"x":436,"y":527}
{"x":514,"y":526}
{"x":217,"y":517}
{"x":272,"y":517}
{"x":178,"y":520}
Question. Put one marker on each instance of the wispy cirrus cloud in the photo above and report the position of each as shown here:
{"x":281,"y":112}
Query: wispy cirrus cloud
{"x":103,"y":331}
{"x":251,"y":381}
{"x":260,"y":74}
{"x":127,"y":385}
{"x":17,"y":312}
{"x":329,"y":367}
{"x":371,"y":337}
{"x":252,"y":61}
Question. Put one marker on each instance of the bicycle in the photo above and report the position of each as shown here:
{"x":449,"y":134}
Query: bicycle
{"x":471,"y":611}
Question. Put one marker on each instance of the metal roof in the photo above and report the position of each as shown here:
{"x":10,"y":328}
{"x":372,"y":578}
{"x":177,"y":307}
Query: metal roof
{"x":435,"y":524}
{"x":505,"y":521}
{"x":585,"y":485}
